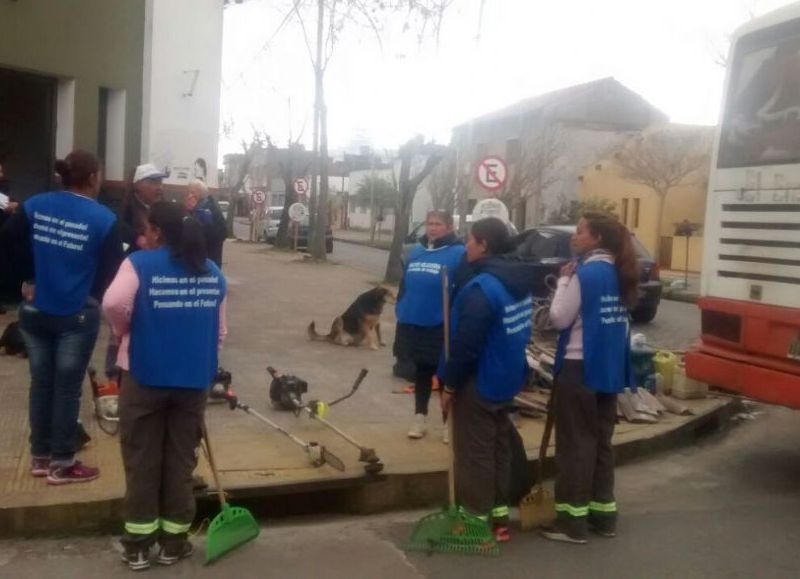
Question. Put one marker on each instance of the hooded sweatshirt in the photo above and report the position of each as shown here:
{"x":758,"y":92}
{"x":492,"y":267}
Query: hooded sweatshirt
{"x":491,"y":327}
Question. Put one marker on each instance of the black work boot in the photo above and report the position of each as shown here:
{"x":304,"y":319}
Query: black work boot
{"x":136,"y":554}
{"x":173,"y":548}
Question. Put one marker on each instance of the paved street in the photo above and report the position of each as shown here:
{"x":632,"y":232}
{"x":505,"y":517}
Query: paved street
{"x":726,"y":507}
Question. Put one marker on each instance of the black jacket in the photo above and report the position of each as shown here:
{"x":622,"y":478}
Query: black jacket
{"x":475,"y":315}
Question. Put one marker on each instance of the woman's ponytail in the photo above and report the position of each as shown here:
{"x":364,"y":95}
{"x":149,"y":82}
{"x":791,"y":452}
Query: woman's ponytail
{"x":616,"y":238}
{"x":183,"y":234}
{"x":192,"y":248}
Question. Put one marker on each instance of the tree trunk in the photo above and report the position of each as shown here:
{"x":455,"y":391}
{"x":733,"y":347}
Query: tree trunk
{"x":282,"y":238}
{"x":394,"y":267}
{"x":662,"y":197}
{"x":317,"y":242}
{"x":407,"y":189}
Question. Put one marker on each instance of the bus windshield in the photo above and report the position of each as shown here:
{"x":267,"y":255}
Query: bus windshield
{"x":761,"y":125}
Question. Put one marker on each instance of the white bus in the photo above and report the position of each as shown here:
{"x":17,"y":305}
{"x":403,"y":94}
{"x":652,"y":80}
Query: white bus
{"x":750,"y":286}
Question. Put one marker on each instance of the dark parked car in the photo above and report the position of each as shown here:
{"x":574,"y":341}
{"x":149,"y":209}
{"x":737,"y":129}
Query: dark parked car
{"x":302,"y":236}
{"x":550,"y":244}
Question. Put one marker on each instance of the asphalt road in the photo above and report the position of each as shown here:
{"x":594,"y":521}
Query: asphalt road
{"x":726,"y":507}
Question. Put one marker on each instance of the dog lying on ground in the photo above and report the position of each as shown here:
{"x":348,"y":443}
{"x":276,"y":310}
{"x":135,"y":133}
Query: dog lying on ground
{"x":360,"y":323}
{"x":11,"y":341}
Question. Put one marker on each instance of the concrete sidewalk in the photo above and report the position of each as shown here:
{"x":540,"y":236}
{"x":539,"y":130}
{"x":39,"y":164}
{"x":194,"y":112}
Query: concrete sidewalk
{"x":272,"y":298}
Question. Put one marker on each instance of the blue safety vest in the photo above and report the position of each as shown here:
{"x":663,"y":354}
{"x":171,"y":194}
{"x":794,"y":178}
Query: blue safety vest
{"x":606,"y":348}
{"x":421,"y":302}
{"x":502,"y":366}
{"x":67,"y":231}
{"x":175,"y":322}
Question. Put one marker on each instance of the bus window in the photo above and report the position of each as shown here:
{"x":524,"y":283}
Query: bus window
{"x":761,"y":125}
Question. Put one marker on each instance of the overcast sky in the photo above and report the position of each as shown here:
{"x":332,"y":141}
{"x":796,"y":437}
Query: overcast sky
{"x":664,"y":50}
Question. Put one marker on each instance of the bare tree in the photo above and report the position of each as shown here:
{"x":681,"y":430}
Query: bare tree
{"x":532,"y":173}
{"x":294,"y":162}
{"x":570,"y":211}
{"x":412,"y":154}
{"x":442,"y":183}
{"x":664,"y":158}
{"x":242,"y":171}
{"x":332,"y":17}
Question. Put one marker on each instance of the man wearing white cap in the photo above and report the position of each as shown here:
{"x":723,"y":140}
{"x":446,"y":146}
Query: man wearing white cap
{"x":146,"y":190}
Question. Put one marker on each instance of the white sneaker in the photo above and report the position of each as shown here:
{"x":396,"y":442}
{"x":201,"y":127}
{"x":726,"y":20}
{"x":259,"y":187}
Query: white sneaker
{"x":418,"y":429}
{"x":446,"y":434}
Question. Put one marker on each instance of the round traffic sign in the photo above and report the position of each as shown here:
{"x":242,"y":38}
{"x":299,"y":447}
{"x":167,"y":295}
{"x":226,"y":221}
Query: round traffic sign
{"x":490,"y":208}
{"x":491,"y":173}
{"x":297,"y":212}
{"x":301,"y":186}
{"x":259,"y":197}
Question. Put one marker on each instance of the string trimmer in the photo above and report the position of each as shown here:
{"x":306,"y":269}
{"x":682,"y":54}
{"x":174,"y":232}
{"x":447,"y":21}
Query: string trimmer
{"x":318,"y":454}
{"x":288,"y":390}
{"x":106,"y":402}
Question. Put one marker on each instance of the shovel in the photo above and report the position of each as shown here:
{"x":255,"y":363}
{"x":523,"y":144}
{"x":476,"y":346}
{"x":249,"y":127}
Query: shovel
{"x":538,"y":507}
{"x":234,"y":526}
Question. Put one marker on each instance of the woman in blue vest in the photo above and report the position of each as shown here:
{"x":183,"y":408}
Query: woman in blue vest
{"x":490,"y":329}
{"x":590,"y":308}
{"x":167,"y":306}
{"x":75,"y":249}
{"x":420,"y":333}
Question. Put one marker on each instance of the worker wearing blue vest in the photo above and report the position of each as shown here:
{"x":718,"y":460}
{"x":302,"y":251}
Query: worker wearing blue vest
{"x":590,"y":308}
{"x":73,"y":247}
{"x":167,"y":306}
{"x":490,"y":329}
{"x":420,"y":334}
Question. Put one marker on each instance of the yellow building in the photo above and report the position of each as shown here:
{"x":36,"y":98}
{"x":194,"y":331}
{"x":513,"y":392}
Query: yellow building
{"x":637,"y":207}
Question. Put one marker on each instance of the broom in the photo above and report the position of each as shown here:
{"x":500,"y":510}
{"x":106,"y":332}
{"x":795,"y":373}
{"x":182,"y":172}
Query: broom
{"x":234,"y":526}
{"x":538,"y":507}
{"x":452,"y":530}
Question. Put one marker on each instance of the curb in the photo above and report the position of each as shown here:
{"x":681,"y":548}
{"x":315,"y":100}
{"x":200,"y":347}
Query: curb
{"x":362,"y":243}
{"x":363,"y":494}
{"x":680,"y":297}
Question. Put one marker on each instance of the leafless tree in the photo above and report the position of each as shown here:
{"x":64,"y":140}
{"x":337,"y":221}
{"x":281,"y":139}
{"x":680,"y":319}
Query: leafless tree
{"x":442,"y":183}
{"x":293,"y":162}
{"x":414,"y":153}
{"x":332,"y":18}
{"x":664,"y":158}
{"x":257,"y":143}
{"x":532,"y":172}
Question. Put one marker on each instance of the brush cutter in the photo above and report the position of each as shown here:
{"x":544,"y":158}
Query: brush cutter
{"x":317,"y":409}
{"x":234,"y":526}
{"x":318,"y":454}
{"x":452,"y":530}
{"x":106,"y":402}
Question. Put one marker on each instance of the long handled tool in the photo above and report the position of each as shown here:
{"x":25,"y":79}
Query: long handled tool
{"x":316,"y":409}
{"x":318,"y":454}
{"x":538,"y":507}
{"x":452,"y":530}
{"x":233,"y":526}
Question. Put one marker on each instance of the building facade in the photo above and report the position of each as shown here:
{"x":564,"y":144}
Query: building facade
{"x":130,"y":80}
{"x":572,"y":126}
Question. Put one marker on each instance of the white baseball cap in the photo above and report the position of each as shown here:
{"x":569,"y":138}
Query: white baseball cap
{"x":148,"y":171}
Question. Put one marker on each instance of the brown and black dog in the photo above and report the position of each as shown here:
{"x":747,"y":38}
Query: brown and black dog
{"x":360,"y":323}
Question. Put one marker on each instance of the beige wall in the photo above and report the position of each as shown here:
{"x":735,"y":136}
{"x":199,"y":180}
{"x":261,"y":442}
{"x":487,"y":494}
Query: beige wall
{"x":688,"y":201}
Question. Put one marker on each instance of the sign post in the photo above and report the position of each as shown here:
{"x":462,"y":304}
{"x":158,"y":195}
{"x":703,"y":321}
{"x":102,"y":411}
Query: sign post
{"x":257,"y":199}
{"x":297,"y":212}
{"x":301,"y":186}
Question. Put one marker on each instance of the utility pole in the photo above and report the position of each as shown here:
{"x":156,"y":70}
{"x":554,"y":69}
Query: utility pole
{"x":372,"y":221}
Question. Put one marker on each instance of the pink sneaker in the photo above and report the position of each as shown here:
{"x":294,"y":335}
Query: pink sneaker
{"x":40,"y":467}
{"x":75,"y":473}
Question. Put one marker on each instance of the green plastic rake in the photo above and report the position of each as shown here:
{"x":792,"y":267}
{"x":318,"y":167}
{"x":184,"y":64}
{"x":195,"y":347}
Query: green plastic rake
{"x":233,"y":526}
{"x":452,"y":530}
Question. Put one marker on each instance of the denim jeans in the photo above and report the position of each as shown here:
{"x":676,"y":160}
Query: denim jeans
{"x":59,"y":350}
